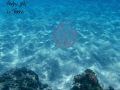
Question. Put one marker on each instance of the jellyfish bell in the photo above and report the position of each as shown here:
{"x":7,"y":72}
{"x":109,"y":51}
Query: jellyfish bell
{"x":65,"y":36}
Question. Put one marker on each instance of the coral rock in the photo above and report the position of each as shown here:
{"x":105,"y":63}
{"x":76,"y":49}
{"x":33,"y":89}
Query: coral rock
{"x":86,"y":81}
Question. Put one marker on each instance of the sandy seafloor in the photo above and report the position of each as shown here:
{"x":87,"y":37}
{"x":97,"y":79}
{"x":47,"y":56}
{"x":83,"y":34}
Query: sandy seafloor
{"x":26,"y":40}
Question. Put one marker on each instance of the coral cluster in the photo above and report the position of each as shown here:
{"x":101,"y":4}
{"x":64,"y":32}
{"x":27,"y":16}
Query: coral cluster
{"x":86,"y":81}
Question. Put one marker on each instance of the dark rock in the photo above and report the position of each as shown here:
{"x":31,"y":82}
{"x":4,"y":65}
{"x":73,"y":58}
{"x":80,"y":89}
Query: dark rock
{"x":25,"y":79}
{"x":86,"y":81}
{"x":21,"y":79}
{"x":111,"y":88}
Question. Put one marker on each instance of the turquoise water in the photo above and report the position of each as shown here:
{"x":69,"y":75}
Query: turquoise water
{"x":26,"y":39}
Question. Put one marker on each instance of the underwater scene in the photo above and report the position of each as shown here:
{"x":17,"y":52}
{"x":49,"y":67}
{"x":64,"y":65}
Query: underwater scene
{"x":59,"y":39}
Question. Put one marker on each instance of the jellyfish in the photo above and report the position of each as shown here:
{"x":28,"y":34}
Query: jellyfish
{"x":65,"y":36}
